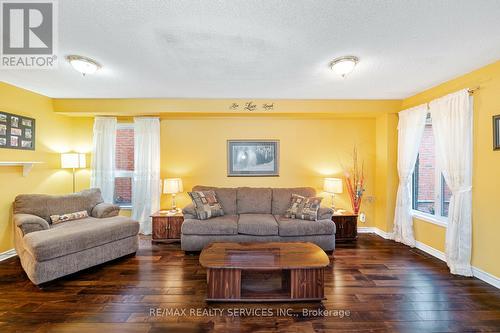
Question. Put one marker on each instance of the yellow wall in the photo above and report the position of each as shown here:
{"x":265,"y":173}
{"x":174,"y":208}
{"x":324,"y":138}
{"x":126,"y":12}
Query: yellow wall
{"x":54,"y":134}
{"x":486,"y":180}
{"x":310,"y":150}
{"x":386,"y":171}
{"x":170,"y":107}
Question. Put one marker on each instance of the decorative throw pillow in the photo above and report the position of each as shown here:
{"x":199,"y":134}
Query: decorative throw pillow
{"x":68,"y":217}
{"x":303,"y":208}
{"x":206,"y":204}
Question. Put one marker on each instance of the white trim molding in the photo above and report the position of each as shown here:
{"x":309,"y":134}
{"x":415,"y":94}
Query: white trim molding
{"x":430,"y":250}
{"x":7,"y":254}
{"x":373,"y":230}
{"x":478,"y":273}
{"x":440,"y":221}
{"x":486,"y":277}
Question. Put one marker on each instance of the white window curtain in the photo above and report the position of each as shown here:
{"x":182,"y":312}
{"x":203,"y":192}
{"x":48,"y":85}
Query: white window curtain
{"x":452,"y":125}
{"x":146,"y":185}
{"x":103,"y":157}
{"x":410,"y":130}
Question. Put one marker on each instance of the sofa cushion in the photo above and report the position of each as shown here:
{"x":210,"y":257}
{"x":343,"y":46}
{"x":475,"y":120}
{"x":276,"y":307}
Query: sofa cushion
{"x":67,"y":238}
{"x":222,"y":225}
{"x":295,"y":227}
{"x":44,"y":205}
{"x":226,"y":197}
{"x":257,"y":224}
{"x":303,"y":208}
{"x":206,"y":204}
{"x":69,"y":217}
{"x":283,"y":196}
{"x":254,"y":200}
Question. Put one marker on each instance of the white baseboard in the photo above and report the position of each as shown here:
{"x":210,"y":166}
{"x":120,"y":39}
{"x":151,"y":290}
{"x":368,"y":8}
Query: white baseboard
{"x":430,"y":250}
{"x":478,"y":273}
{"x":486,"y":277}
{"x":373,"y":230}
{"x":7,"y":254}
{"x":366,"y":230}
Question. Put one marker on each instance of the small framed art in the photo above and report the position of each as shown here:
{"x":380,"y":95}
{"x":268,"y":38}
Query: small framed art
{"x":252,"y":158}
{"x":496,"y":132}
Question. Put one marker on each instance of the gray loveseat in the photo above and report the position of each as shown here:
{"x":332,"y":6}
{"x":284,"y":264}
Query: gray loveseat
{"x":48,"y":251}
{"x":256,"y":215}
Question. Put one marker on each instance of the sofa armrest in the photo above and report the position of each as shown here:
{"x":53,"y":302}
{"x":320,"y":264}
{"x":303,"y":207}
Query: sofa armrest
{"x":30,"y":223}
{"x":325,"y":213}
{"x":189,"y":212}
{"x":103,"y":210}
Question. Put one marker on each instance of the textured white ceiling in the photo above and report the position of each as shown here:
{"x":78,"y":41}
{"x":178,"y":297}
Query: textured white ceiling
{"x":266,"y":48}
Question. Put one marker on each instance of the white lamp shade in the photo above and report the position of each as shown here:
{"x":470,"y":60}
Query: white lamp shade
{"x":333,"y":185}
{"x":172,"y":186}
{"x":73,"y":161}
{"x":83,"y":160}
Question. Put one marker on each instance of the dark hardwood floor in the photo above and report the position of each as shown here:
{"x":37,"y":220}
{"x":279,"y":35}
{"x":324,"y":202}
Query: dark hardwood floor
{"x":373,"y":286}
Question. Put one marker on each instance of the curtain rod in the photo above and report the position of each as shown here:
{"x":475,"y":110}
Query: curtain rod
{"x":473,"y":90}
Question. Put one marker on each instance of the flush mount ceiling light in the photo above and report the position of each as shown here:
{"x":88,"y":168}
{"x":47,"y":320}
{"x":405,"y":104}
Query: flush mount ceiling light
{"x":344,"y":65}
{"x":83,"y":65}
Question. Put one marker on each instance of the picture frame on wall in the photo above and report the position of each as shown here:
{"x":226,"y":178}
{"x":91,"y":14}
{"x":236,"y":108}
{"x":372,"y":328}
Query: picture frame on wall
{"x":496,"y":132}
{"x":17,"y":131}
{"x":253,"y":158}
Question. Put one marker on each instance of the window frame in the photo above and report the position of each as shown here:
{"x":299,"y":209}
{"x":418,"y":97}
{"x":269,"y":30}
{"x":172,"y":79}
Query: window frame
{"x":439,"y":182}
{"x":124,"y":173}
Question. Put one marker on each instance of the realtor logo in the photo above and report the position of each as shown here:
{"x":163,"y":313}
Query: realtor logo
{"x":28,"y":34}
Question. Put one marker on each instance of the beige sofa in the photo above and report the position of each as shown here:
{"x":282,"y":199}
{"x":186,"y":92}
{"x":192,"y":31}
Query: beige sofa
{"x":256,"y":215}
{"x":48,"y":251}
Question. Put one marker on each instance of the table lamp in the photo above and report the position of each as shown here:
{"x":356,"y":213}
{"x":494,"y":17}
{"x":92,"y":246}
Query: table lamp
{"x":73,"y":161}
{"x":172,"y":186}
{"x":333,"y":186}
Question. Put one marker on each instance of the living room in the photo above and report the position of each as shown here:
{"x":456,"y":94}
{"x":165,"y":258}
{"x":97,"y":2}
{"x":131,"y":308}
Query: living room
{"x":311,"y":127}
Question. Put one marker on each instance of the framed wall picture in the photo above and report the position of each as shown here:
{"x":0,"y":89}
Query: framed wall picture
{"x":496,"y":132}
{"x":252,"y":158}
{"x":16,"y":131}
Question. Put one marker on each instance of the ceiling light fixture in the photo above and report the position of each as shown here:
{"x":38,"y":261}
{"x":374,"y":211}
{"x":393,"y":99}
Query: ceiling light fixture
{"x":83,"y":65}
{"x":344,"y":65}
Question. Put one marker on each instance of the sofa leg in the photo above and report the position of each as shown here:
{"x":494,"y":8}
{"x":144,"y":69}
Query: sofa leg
{"x":191,"y":253}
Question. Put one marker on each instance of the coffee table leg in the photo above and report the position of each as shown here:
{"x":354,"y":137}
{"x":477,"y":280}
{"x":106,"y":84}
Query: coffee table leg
{"x":223,"y":283}
{"x":307,"y":283}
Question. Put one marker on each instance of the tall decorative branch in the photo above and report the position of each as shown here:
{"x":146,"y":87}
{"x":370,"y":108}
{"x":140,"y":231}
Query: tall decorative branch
{"x":355,"y":181}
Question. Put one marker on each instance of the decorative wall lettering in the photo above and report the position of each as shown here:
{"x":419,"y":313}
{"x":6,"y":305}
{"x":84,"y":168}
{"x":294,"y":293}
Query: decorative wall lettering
{"x":268,"y":107}
{"x":251,"y":106}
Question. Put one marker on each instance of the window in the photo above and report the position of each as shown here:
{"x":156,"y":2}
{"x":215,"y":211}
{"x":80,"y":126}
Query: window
{"x":431,"y":195}
{"x":124,"y":161}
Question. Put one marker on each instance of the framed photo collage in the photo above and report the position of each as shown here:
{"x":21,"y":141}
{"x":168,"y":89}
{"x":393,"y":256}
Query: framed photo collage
{"x":17,"y":132}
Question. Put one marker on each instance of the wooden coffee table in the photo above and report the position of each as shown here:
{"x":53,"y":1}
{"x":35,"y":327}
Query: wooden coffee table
{"x":268,"y":272}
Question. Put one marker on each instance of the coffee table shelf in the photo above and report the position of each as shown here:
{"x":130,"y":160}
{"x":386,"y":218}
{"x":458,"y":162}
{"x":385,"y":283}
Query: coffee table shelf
{"x":268,"y":272}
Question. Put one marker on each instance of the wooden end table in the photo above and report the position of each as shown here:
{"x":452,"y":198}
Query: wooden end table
{"x":167,"y":227}
{"x":264,"y":272}
{"x":346,"y":227}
